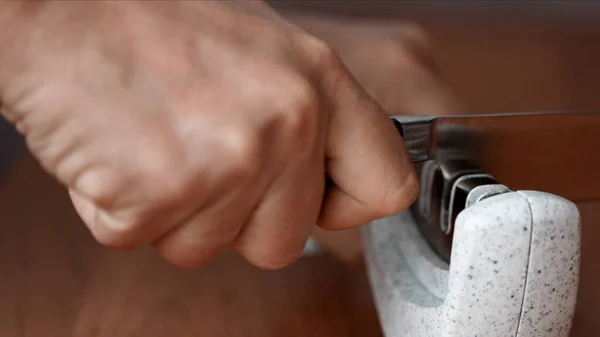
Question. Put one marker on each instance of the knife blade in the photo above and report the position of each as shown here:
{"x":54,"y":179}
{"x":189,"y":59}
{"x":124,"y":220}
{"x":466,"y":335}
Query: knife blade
{"x":556,"y":151}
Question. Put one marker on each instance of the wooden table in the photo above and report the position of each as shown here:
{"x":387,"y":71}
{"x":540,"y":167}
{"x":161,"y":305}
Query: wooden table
{"x":56,"y":281}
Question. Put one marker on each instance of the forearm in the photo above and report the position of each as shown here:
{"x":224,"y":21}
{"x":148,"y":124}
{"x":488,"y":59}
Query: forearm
{"x":9,"y":10}
{"x":13,"y":14}
{"x":13,"y":20}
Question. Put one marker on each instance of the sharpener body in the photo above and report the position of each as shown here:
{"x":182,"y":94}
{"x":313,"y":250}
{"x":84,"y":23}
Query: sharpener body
{"x":513,"y":269}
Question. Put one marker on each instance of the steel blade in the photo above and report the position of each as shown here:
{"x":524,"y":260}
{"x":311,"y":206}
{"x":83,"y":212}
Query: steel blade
{"x":555,"y":152}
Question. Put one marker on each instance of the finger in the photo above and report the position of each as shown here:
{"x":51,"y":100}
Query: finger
{"x":346,"y":245}
{"x":241,"y":182}
{"x":96,"y":220}
{"x":125,"y":235}
{"x":277,"y":232}
{"x":169,"y":192}
{"x":133,"y":204}
{"x":366,"y":160}
{"x":210,"y":230}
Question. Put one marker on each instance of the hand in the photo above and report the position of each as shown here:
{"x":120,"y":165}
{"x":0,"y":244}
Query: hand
{"x":198,"y":126}
{"x":394,"y":62}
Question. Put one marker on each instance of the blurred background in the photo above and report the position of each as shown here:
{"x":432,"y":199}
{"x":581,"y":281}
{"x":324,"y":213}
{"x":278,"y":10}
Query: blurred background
{"x":11,"y":144}
{"x":496,"y":56}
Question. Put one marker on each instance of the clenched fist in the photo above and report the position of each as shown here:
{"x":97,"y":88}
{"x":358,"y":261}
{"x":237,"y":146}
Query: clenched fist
{"x":198,"y":126}
{"x":395,"y":62}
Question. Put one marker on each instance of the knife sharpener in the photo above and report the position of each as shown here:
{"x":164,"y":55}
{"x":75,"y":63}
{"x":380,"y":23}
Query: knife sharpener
{"x":472,"y":257}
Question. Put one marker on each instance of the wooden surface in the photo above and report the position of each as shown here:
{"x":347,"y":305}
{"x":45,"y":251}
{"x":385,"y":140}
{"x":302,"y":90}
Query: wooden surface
{"x":56,"y":281}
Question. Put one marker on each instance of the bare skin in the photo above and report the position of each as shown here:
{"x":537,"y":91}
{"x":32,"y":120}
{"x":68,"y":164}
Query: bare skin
{"x":198,"y":126}
{"x":395,"y":63}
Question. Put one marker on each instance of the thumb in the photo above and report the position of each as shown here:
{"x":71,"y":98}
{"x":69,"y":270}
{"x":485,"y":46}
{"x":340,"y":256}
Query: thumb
{"x":369,"y":168}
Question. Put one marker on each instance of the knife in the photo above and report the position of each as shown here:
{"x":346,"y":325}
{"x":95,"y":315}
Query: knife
{"x":557,"y":152}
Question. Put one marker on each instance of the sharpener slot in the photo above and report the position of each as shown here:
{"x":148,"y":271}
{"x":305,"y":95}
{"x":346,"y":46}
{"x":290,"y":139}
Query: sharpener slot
{"x":445,"y":187}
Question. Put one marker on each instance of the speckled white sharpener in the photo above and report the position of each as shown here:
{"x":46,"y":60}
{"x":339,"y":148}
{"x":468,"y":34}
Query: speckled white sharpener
{"x":514,"y":270}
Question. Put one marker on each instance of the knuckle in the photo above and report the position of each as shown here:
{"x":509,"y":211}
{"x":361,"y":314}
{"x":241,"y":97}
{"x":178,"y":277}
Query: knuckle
{"x":109,"y":240}
{"x":295,"y":116}
{"x":241,"y":148}
{"x":193,"y":247}
{"x":188,"y":261}
{"x":116,"y":233}
{"x":165,"y":184}
{"x":271,"y":256}
{"x":298,"y":110}
{"x":326,"y":62}
{"x":100,"y":186}
{"x":273,"y":261}
{"x":321,"y":54}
